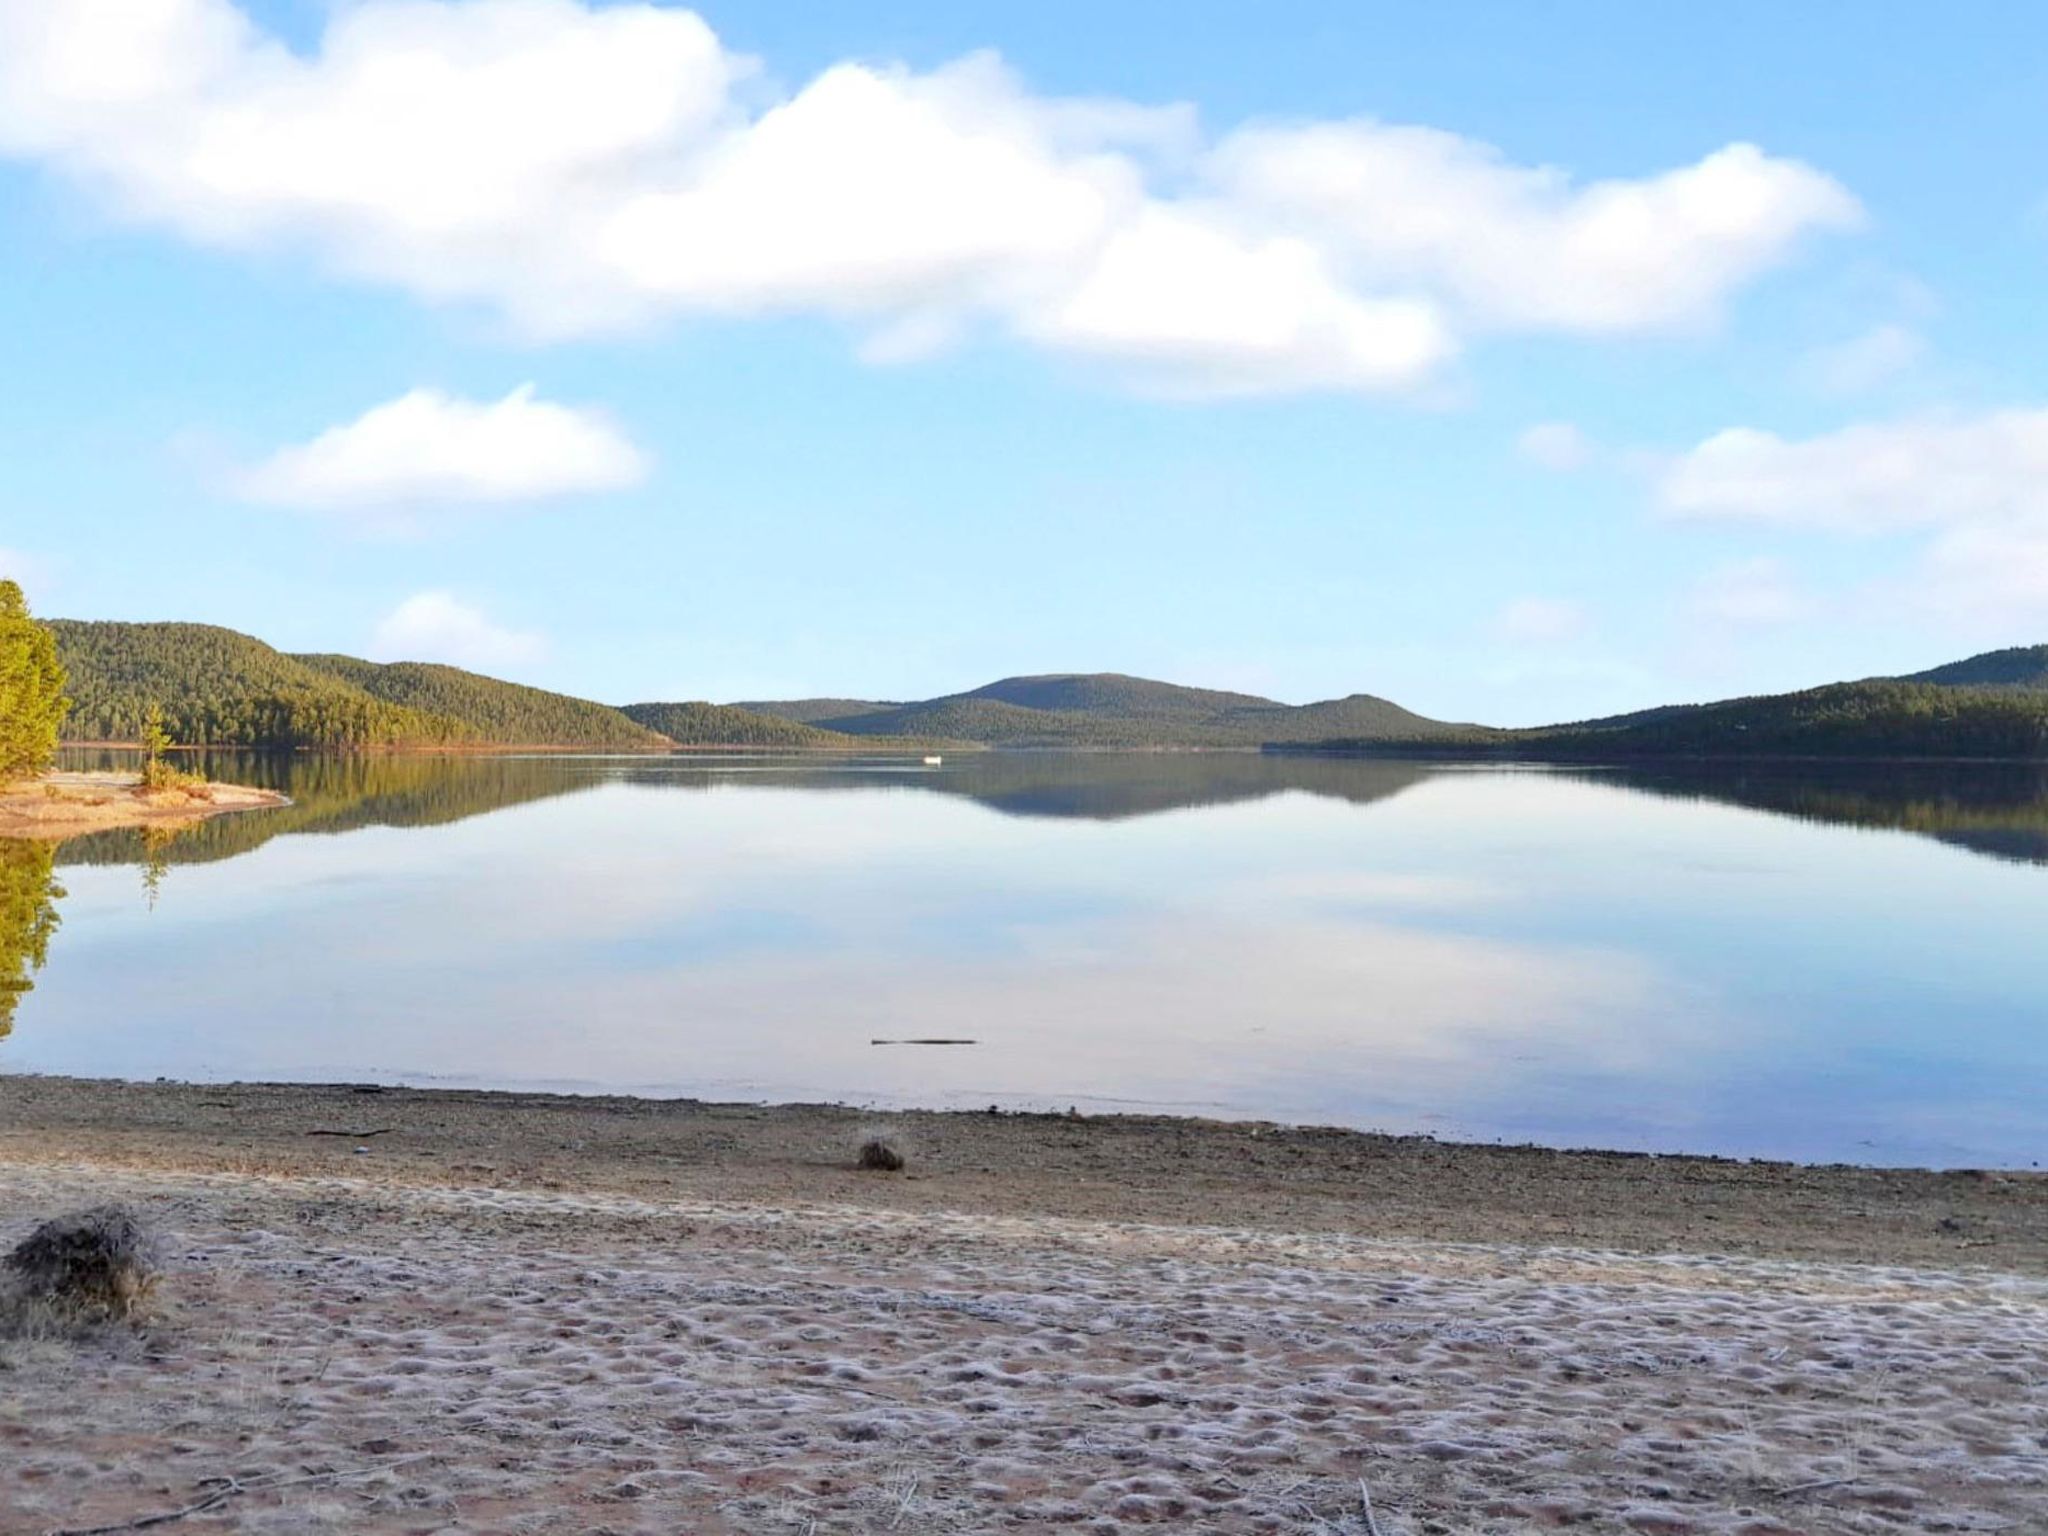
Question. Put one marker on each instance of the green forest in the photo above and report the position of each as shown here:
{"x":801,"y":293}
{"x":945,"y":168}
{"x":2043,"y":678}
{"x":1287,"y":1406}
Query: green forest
{"x":723,"y":725}
{"x":1877,"y":718}
{"x":504,"y":714}
{"x":1880,"y":717}
{"x":218,"y":687}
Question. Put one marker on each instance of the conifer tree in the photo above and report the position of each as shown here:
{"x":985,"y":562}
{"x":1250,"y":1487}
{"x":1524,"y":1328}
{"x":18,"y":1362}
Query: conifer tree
{"x":32,"y":701}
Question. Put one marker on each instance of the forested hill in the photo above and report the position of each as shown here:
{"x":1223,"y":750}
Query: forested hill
{"x":1108,"y":709}
{"x":221,"y":688}
{"x":2024,"y":666}
{"x":727,"y":725}
{"x":804,"y":711}
{"x":504,"y":714}
{"x":1881,"y":717}
{"x":1989,"y":706}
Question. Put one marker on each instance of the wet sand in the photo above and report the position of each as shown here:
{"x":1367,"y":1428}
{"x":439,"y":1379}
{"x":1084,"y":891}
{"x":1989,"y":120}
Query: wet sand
{"x":518,"y":1313}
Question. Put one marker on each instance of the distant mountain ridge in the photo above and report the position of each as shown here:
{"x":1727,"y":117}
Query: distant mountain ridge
{"x":1111,"y":709}
{"x":1992,"y":706}
{"x":222,"y":688}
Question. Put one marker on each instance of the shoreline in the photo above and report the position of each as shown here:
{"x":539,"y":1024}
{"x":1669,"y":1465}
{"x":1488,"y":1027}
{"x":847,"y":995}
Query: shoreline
{"x":403,"y":1311}
{"x":1124,"y":1167}
{"x":71,"y":804}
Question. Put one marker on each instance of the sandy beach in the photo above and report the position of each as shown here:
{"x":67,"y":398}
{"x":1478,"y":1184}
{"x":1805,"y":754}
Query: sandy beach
{"x":61,"y":805}
{"x":501,"y":1313}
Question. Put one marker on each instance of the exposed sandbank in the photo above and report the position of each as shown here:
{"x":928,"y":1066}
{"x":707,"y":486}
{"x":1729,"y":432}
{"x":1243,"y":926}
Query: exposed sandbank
{"x":61,"y":805}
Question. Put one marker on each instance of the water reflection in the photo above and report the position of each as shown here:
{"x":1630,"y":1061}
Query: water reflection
{"x":329,"y":794}
{"x":28,"y":917}
{"x":1629,"y":958}
{"x":1996,"y":809}
{"x":1999,"y":810}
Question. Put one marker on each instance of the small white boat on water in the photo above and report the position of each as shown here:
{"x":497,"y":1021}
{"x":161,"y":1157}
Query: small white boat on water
{"x":933,"y":762}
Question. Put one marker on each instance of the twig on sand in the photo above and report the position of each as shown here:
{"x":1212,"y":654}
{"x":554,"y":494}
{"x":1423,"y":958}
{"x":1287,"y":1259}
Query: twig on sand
{"x":229,"y":1488}
{"x":1812,"y":1487}
{"x":1372,"y":1524}
{"x":382,"y":1130}
{"x":903,"y":1508}
{"x":164,"y":1517}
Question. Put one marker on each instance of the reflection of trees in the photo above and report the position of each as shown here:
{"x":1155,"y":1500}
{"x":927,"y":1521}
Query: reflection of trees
{"x":1999,"y":810}
{"x":330,"y":794}
{"x":28,"y":916}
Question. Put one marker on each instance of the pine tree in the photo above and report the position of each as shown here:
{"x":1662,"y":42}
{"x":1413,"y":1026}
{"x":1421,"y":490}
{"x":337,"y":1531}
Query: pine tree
{"x":32,"y":701}
{"x":156,"y":741}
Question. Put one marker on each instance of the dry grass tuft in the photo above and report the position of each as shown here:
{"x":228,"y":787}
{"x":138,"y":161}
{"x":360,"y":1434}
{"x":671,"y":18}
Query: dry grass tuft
{"x":879,"y":1154}
{"x":101,"y":1262}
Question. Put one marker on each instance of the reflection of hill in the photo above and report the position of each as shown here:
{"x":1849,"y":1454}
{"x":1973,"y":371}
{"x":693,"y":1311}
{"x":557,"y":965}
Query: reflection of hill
{"x":1996,"y":809}
{"x":1095,"y":787}
{"x":340,"y":794}
{"x":28,"y":916}
{"x":1117,"y":788}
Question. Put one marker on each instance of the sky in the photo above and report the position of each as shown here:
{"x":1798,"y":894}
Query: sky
{"x":1516,"y":363}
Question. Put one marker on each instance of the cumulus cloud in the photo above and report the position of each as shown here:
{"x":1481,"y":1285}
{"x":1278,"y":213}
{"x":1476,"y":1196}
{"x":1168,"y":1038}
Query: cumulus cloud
{"x":581,"y":168}
{"x":1540,"y":621}
{"x":1973,"y":489}
{"x":1555,"y":445}
{"x":1524,"y":246}
{"x":427,"y":448}
{"x":437,"y":626}
{"x":1871,"y":477}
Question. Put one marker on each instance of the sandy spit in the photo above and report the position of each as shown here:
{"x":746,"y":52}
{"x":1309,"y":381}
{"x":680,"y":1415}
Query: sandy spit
{"x":525,"y":1315}
{"x":61,"y":805}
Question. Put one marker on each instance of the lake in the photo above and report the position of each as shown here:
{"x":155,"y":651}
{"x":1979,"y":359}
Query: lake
{"x":1823,"y":964}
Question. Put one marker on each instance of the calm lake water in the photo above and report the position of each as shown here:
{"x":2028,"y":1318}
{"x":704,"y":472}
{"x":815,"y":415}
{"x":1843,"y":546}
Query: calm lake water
{"x":1819,"y":964}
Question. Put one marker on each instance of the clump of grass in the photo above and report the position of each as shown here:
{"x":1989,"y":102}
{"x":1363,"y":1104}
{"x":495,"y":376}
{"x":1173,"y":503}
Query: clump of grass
{"x":160,"y":775}
{"x":97,"y":1263}
{"x":880,"y":1154}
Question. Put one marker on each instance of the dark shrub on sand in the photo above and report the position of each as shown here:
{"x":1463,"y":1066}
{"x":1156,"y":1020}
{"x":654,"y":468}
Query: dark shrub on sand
{"x":879,"y":1154}
{"x":102,"y":1261}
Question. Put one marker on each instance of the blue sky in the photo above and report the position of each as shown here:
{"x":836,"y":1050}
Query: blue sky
{"x":1513,"y":362}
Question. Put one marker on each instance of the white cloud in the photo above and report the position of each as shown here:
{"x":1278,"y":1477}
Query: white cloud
{"x":1748,"y":594}
{"x":1973,"y":488}
{"x":1540,"y":621}
{"x":1555,"y":445}
{"x":428,"y":448}
{"x":580,"y":169}
{"x":1523,"y":246}
{"x":1864,"y":362}
{"x":437,"y":626}
{"x":1920,"y":472}
{"x":1187,"y":304}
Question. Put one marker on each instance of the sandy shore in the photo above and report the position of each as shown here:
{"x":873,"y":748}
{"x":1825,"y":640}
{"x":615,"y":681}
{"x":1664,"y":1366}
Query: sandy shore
{"x":530,"y":1314}
{"x":61,"y":805}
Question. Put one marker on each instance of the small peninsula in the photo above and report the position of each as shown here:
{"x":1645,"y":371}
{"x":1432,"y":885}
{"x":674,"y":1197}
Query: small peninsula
{"x":60,"y":805}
